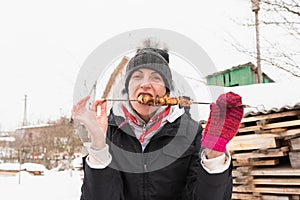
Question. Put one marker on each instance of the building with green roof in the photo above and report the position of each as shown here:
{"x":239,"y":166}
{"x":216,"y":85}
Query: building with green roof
{"x":245,"y":74}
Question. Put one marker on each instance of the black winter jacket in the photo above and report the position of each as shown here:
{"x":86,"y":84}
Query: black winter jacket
{"x":171,"y":172}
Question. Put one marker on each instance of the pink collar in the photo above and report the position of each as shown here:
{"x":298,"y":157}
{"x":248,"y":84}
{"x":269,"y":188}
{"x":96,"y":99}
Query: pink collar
{"x":158,"y":118}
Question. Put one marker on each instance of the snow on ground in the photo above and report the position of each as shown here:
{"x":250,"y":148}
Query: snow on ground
{"x":63,"y":185}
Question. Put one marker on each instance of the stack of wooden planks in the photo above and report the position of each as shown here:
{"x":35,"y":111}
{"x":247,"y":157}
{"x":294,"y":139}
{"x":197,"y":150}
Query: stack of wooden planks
{"x":266,"y":156}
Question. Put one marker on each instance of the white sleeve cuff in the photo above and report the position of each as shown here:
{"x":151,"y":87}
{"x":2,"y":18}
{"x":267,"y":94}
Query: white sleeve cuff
{"x":99,"y":159}
{"x":216,"y":165}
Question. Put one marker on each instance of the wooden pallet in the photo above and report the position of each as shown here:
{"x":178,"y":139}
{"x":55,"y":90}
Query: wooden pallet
{"x":264,"y":154}
{"x":278,"y":122}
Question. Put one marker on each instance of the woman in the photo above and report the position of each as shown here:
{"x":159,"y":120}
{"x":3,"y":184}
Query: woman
{"x":155,"y":153}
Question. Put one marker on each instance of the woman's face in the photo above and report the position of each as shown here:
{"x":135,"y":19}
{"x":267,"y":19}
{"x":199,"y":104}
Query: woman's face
{"x":145,"y":81}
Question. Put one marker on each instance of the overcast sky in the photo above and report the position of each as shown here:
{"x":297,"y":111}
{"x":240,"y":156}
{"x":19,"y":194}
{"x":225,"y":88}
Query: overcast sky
{"x":43,"y":44}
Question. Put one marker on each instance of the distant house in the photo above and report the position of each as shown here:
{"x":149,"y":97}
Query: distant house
{"x":245,"y":74}
{"x":6,"y":146}
{"x":47,"y":143}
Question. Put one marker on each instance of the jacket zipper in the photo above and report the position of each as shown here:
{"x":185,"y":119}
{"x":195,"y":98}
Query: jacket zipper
{"x":144,"y":158}
{"x":145,"y":168}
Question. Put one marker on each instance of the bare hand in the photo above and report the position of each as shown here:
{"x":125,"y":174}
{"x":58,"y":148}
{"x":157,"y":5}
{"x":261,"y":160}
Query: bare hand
{"x":96,"y":125}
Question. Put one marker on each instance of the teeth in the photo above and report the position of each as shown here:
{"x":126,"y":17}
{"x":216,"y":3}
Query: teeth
{"x":145,"y":94}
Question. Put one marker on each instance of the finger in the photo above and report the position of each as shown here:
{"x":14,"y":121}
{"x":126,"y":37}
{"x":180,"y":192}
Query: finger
{"x":103,"y":108}
{"x":83,"y":101}
{"x":73,"y":113}
{"x":81,"y":104}
{"x":97,"y":103}
{"x":74,"y":110}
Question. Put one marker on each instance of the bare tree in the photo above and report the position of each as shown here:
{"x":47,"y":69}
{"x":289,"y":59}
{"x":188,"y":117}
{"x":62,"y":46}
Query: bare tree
{"x":64,"y":139}
{"x":278,"y":19}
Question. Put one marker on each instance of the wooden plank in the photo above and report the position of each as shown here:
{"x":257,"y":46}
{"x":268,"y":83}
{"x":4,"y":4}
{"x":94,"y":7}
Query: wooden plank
{"x":295,"y":143}
{"x":236,"y":173}
{"x":274,"y":197}
{"x":250,"y":128}
{"x":257,"y":163}
{"x":290,"y":133}
{"x":276,"y":181}
{"x":274,"y":130}
{"x":271,"y":116}
{"x":295,"y":197}
{"x":243,"y":161}
{"x":243,"y":188}
{"x":253,"y":141}
{"x":295,"y":159}
{"x":244,"y":196}
{"x":242,"y":180}
{"x":277,"y":190}
{"x":259,"y":155}
{"x":244,"y":170}
{"x":282,"y":124}
{"x":281,"y":149}
{"x":276,"y":171}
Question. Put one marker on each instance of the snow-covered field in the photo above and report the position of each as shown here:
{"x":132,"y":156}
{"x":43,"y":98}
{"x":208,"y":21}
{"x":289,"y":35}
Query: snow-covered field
{"x":63,"y":185}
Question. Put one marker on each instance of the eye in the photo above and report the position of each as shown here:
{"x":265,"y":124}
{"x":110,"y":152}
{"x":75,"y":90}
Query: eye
{"x":136,"y":76}
{"x":156,"y":78}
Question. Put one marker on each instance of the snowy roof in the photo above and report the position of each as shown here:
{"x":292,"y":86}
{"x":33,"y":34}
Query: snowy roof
{"x":34,"y":126}
{"x":7,"y":139}
{"x":272,"y":110}
{"x":269,"y":97}
{"x":24,"y":166}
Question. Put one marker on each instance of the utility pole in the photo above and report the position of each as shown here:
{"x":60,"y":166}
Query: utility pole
{"x":25,"y":123}
{"x":255,"y":9}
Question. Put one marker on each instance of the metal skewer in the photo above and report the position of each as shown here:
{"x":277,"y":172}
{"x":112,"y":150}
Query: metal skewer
{"x":198,"y":102}
{"x":243,"y":105}
{"x":120,"y":99}
{"x":194,"y":102}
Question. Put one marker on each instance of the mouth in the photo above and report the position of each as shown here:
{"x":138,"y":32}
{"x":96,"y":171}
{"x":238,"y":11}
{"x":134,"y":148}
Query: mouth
{"x":143,"y":93}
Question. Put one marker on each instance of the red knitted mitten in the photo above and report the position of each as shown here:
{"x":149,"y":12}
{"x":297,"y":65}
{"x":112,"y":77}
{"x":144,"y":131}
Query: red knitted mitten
{"x":223,"y":122}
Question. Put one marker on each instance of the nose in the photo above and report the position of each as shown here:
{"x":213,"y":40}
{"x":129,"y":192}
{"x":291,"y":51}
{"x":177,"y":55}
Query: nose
{"x":146,"y":85}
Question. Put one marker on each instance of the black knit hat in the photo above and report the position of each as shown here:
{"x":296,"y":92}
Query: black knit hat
{"x":151,"y":58}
